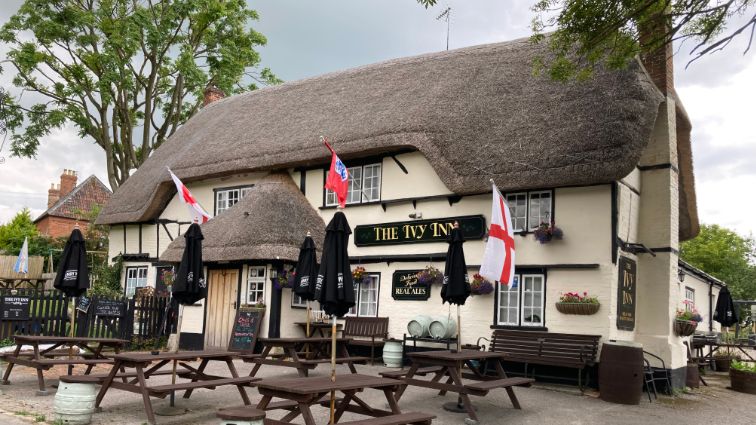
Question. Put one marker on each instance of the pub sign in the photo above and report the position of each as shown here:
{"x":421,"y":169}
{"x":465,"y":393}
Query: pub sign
{"x":626,"y":294}
{"x":418,"y":231}
{"x":404,"y":286}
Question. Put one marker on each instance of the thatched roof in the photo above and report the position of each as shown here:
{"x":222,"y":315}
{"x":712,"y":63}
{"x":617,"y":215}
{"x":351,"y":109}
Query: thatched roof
{"x":475,"y":113}
{"x":255,"y":229}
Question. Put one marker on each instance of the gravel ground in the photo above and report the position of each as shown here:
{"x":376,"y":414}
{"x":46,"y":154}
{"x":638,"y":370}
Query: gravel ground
{"x":542,"y":403}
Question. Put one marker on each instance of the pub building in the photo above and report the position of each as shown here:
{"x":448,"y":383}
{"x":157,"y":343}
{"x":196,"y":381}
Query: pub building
{"x":607,"y":160}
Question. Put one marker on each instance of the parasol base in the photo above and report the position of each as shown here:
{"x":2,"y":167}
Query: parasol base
{"x":456,"y":407}
{"x":171,"y":411}
{"x":42,"y":393}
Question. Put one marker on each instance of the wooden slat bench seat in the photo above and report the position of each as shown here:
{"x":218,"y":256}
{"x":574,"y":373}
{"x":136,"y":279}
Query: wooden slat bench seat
{"x":398,"y":374}
{"x":54,"y":362}
{"x":549,"y":349}
{"x":359,"y":328}
{"x":243,"y":380}
{"x":483,"y":387}
{"x":99,"y":378}
{"x":339,"y":360}
{"x":398,"y":419}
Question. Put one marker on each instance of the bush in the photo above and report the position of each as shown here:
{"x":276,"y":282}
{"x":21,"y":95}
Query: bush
{"x":106,"y":279}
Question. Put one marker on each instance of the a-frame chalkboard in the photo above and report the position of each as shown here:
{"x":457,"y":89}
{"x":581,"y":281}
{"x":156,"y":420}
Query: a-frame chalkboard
{"x":246,"y":327}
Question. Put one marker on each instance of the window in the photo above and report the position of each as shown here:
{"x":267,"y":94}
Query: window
{"x":366,"y":303}
{"x":255,"y":285}
{"x":530,"y":209}
{"x":136,"y":277}
{"x":690,"y":298}
{"x":297,"y":301}
{"x":522,"y":303}
{"x":364,"y":185}
{"x":226,"y":198}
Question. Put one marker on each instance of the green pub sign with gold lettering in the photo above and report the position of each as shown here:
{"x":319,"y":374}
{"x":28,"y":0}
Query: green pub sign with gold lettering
{"x":418,"y":231}
{"x":626,"y":294}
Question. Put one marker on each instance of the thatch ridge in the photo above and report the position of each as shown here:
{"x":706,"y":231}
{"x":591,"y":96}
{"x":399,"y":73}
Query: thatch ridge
{"x":475,"y":113}
{"x":255,"y":229}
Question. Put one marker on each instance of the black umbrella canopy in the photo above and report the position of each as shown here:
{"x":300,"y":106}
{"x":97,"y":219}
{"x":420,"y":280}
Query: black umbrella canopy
{"x":72,"y":277}
{"x":307,"y":270}
{"x":334,"y":288}
{"x":725,"y":313}
{"x":456,"y":287}
{"x":190,"y":286}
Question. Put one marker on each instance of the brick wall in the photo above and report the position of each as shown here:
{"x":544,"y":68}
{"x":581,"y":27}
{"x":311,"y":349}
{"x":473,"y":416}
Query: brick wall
{"x":59,"y":226}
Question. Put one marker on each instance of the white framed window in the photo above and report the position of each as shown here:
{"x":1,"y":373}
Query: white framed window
{"x":227,"y":198}
{"x":518,"y":210}
{"x":530,"y":209}
{"x":366,"y":297}
{"x":297,"y":301}
{"x":522,"y":303}
{"x":364,"y":185}
{"x":539,"y":208}
{"x":690,"y":298}
{"x":136,"y":277}
{"x":255,"y":284}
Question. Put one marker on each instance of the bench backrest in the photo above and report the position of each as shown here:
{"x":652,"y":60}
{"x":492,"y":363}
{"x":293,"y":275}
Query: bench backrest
{"x":366,"y":327}
{"x":546,"y":348}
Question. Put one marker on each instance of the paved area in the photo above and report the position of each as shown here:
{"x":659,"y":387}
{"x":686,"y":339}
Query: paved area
{"x":542,"y":404}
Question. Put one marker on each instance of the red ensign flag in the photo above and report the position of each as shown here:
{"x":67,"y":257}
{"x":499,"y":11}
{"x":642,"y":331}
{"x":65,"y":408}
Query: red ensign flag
{"x":338,"y":177}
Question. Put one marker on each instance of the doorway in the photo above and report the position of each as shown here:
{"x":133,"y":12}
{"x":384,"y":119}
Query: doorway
{"x":221,"y":307}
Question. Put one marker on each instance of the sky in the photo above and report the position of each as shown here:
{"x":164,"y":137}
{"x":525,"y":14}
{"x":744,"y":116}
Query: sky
{"x":308,"y":38}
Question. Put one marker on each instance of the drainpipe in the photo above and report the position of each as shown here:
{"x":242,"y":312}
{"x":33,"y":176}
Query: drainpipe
{"x":711,"y":313}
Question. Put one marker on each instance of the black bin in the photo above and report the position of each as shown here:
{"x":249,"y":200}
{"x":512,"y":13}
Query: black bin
{"x":621,"y":372}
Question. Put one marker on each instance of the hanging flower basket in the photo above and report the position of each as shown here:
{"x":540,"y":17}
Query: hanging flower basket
{"x":358,"y":274}
{"x":547,"y":231}
{"x":284,"y":279}
{"x":685,"y":327}
{"x":430,"y":276}
{"x":480,"y":285}
{"x":578,"y":308}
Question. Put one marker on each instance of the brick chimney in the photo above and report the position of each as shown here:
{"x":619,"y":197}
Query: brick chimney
{"x":67,"y":182}
{"x":53,"y":194}
{"x":658,"y":62}
{"x":212,"y":94}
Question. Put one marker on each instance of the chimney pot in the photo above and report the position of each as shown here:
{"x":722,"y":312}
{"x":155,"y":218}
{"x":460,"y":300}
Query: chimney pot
{"x":67,"y":182}
{"x":212,"y":94}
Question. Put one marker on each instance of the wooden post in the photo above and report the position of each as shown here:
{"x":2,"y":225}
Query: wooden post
{"x":333,"y":367}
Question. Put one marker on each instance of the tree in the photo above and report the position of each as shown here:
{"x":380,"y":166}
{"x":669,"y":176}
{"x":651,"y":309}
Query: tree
{"x":725,"y":255}
{"x":125,"y":73}
{"x":591,"y":32}
{"x":21,"y":226}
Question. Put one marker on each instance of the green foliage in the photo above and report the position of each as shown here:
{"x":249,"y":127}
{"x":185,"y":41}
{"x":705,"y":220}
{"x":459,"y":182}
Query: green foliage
{"x":725,"y":255}
{"x":7,"y":342}
{"x":21,"y":226}
{"x":106,"y":279}
{"x":125,"y":73}
{"x":744,"y":366}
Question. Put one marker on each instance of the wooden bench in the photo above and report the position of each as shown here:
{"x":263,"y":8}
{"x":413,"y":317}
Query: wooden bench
{"x":99,"y":378}
{"x":397,"y":419}
{"x":481,"y":388}
{"x":165,"y":389}
{"x":243,"y":413}
{"x":548,"y":349}
{"x":375,"y":328}
{"x":339,"y":360}
{"x":399,"y":374}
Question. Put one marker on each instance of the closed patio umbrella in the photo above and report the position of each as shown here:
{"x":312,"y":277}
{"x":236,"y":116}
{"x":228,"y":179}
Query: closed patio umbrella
{"x":306,"y":274}
{"x":72,"y":277}
{"x":334,"y":288}
{"x":725,"y":312}
{"x":456,"y":288}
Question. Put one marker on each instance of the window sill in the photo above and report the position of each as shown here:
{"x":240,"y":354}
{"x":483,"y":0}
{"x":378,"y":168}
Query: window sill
{"x":521,"y":328}
{"x":333,"y":207}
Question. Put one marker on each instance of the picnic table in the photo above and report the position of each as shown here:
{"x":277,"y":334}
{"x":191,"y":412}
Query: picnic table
{"x":715,"y":346}
{"x":448,"y":364}
{"x":322,"y":328}
{"x":143,"y":364}
{"x":293,"y":355}
{"x":59,"y":353}
{"x":301,"y":393}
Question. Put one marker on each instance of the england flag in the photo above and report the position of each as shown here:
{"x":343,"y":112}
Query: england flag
{"x":499,"y":257}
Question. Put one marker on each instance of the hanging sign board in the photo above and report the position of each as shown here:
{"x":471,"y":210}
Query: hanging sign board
{"x":404,"y":286}
{"x":246,"y":328}
{"x":626,"y":294}
{"x":83,"y":304}
{"x":418,"y":231}
{"x":110,"y":308}
{"x":15,"y":308}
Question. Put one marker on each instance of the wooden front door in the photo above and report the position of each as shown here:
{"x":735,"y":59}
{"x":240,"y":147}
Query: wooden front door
{"x":221,"y":307}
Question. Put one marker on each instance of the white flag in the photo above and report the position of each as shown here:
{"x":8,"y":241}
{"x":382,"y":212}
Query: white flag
{"x":499,"y":257}
{"x":22,"y":262}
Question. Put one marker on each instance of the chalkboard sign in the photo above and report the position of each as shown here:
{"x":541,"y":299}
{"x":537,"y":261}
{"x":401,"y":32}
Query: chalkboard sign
{"x":246,"y":327}
{"x":110,"y":308}
{"x":15,"y":308}
{"x":84,"y":303}
{"x":404,"y":286}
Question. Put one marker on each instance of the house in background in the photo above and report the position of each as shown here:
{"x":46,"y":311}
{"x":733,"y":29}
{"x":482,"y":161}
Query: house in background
{"x":69,"y":204}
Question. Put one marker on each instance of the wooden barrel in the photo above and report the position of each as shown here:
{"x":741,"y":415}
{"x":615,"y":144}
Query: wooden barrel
{"x":418,"y":326}
{"x":74,"y":402}
{"x":692,"y":375}
{"x":621,"y":372}
{"x":442,"y":327}
{"x":392,"y":353}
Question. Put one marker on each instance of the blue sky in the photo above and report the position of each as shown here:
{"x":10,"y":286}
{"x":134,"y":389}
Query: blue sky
{"x":308,"y":38}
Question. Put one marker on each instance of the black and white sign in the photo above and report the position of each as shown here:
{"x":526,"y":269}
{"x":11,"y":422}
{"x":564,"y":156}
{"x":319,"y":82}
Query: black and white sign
{"x":15,"y":308}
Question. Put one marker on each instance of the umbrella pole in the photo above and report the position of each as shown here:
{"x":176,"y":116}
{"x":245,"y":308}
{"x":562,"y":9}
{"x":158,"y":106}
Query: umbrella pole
{"x":459,"y":331}
{"x":333,"y":367}
{"x":73,"y":323}
{"x":307,"y":331}
{"x":175,"y":350}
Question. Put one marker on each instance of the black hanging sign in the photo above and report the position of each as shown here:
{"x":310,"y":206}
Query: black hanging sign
{"x":418,"y":231}
{"x":626,"y":294}
{"x":15,"y":308}
{"x":404,"y":286}
{"x":83,"y":304}
{"x":110,"y":308}
{"x":246,"y":327}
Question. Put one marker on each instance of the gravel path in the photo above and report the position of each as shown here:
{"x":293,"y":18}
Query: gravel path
{"x":542,"y":403}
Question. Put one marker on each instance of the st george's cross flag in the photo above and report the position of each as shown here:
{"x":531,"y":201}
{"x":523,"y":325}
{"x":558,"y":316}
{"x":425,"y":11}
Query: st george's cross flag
{"x":22,"y":262}
{"x":338,"y":177}
{"x":499,"y":257}
{"x":195,"y":209}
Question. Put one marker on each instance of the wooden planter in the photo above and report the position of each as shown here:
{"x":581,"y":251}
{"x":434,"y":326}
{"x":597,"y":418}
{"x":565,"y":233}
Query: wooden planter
{"x":577,"y":308}
{"x":685,"y":327}
{"x":722,"y":364}
{"x":744,"y":382}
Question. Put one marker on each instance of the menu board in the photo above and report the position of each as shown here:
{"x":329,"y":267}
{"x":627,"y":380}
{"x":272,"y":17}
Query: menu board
{"x":84,"y":303}
{"x":15,"y":308}
{"x":110,"y":308}
{"x":246,"y":327}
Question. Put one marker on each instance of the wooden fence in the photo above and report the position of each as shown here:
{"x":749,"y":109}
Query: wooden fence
{"x":140,"y":321}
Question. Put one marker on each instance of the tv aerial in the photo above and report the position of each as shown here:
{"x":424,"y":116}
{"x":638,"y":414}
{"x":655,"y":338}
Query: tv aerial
{"x":445,"y":16}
